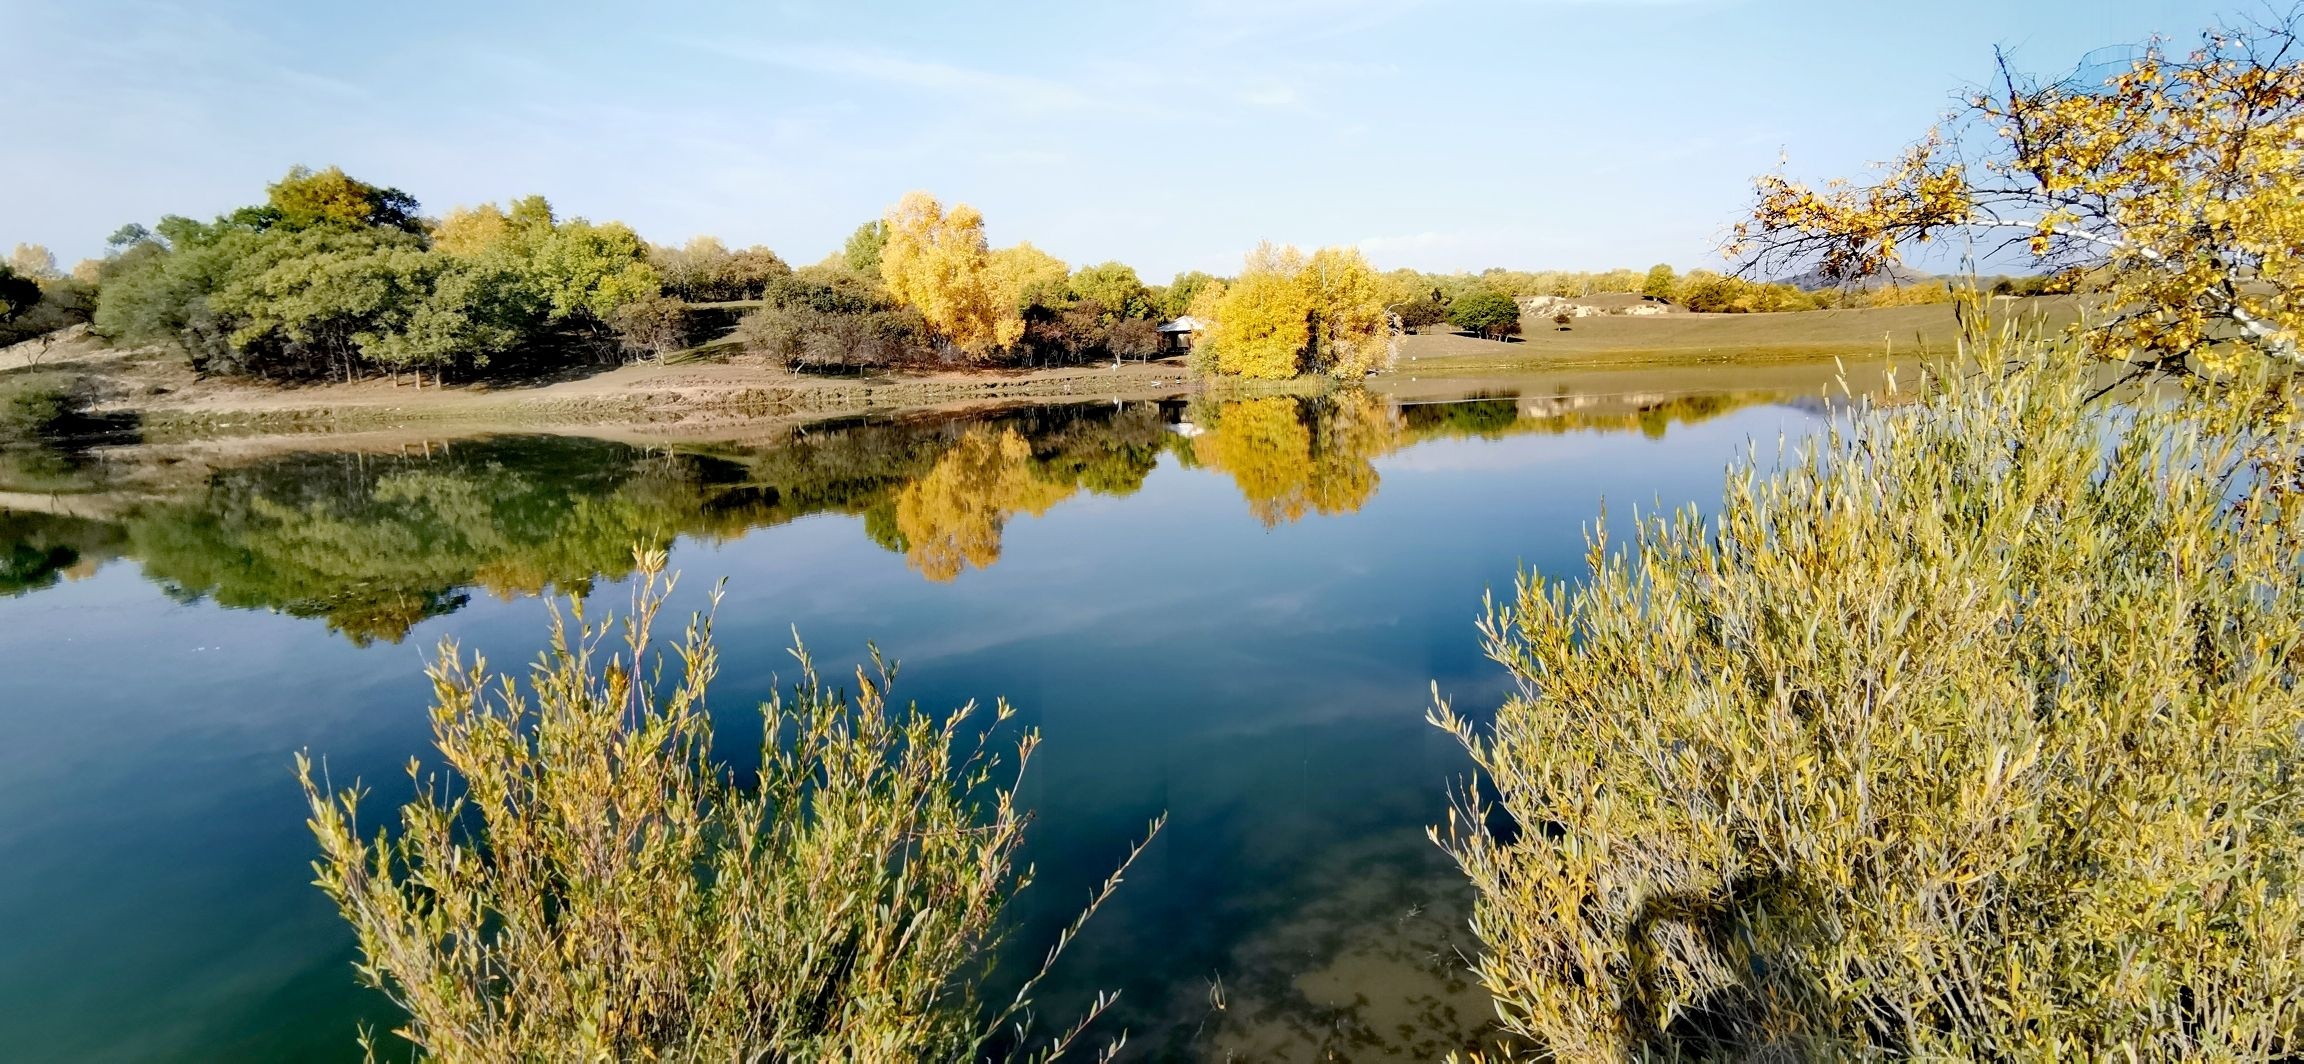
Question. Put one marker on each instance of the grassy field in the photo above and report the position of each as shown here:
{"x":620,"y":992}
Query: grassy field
{"x":1715,"y":338}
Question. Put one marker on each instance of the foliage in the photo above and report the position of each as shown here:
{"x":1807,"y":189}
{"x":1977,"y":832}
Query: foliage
{"x":40,"y":405}
{"x":1419,"y":299}
{"x":307,"y":199}
{"x":328,"y":291}
{"x":1486,"y":313}
{"x":18,"y":293}
{"x":596,"y":886}
{"x":587,"y":270}
{"x":1350,"y":334}
{"x":1659,"y":282}
{"x":653,"y":326}
{"x":862,"y":251}
{"x":1709,"y":292}
{"x":1287,"y":313}
{"x":705,"y":271}
{"x":1114,"y":287}
{"x":475,"y":230}
{"x":58,"y":302}
{"x":937,"y":263}
{"x":832,"y":319}
{"x":1174,"y":299}
{"x":1261,"y":325}
{"x":33,"y":261}
{"x":1968,"y":733}
{"x":1027,"y":276}
{"x":474,"y":310}
{"x":2179,"y":180}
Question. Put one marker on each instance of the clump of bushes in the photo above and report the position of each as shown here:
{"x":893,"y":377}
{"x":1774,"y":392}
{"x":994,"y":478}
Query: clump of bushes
{"x":1971,"y":733}
{"x":590,"y":884}
{"x":42,"y":405}
{"x":827,"y":319}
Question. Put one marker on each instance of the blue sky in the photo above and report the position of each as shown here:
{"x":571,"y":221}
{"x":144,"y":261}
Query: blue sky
{"x":1538,"y":134}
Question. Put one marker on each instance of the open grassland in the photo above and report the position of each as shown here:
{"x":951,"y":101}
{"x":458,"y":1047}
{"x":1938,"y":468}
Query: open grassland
{"x":1723,"y":338}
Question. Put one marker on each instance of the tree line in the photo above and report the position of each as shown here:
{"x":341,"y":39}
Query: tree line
{"x":332,"y":277}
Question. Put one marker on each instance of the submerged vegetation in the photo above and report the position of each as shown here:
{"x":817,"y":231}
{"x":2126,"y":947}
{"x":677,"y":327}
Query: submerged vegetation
{"x":592,"y":882}
{"x":1969,"y":734}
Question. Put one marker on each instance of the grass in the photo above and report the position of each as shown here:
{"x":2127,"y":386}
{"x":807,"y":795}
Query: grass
{"x":1710,"y":339}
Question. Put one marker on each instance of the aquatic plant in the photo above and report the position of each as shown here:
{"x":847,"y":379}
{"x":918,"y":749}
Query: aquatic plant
{"x":1970,"y":732}
{"x":585,"y":882}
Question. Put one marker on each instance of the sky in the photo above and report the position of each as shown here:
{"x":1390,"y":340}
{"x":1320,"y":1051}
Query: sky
{"x":1538,"y":134}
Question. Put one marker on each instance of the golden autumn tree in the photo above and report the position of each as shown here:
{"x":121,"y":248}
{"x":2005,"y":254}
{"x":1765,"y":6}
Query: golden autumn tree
{"x":1291,"y":457}
{"x":938,"y":263}
{"x":1289,"y":313}
{"x":1260,"y":324}
{"x":470,"y":231}
{"x":1026,"y":275}
{"x":951,"y":518}
{"x":2176,"y":185}
{"x":1350,"y":331}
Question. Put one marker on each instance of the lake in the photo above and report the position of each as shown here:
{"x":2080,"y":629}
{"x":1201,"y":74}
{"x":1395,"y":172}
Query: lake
{"x":1233,"y":612}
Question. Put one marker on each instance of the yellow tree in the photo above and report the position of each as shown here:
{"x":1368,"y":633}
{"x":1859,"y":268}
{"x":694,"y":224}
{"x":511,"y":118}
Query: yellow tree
{"x":1260,"y":325}
{"x":1288,"y":313}
{"x":951,"y":518}
{"x":938,"y":263}
{"x":1350,"y":333}
{"x":1026,"y":275}
{"x":2177,"y":184}
{"x":471,"y":231}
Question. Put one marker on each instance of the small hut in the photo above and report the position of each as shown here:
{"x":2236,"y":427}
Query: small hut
{"x":1177,"y":337}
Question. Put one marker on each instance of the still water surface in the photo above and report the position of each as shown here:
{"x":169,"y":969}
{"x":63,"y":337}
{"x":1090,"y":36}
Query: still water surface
{"x":1231,"y":612}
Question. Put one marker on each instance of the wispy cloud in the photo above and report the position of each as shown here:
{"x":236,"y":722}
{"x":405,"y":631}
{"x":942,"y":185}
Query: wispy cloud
{"x":889,"y":68}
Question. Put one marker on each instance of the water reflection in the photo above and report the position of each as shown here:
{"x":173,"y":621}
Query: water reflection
{"x":1232,"y":610}
{"x":372,"y":543}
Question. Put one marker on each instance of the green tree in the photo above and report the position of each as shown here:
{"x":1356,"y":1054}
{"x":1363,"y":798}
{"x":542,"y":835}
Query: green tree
{"x":587,"y":270}
{"x":705,"y":271}
{"x":862,"y":252}
{"x":1115,"y":287}
{"x":1486,"y":313}
{"x":1658,"y":284}
{"x":1174,"y":299}
{"x":324,"y":294}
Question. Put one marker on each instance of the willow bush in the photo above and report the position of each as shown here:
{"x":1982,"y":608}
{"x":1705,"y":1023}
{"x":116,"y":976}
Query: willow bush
{"x":1971,"y":732}
{"x":587,"y":884}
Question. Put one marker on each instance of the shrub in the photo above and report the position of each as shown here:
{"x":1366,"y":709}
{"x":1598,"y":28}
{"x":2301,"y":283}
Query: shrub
{"x":41,"y":405}
{"x":652,"y":326}
{"x":1486,"y":313}
{"x":803,"y":337}
{"x":1970,"y":734}
{"x":595,"y":887}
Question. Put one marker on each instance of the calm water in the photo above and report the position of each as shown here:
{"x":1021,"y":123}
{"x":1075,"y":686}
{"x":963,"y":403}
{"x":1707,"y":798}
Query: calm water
{"x":1230,"y":612}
